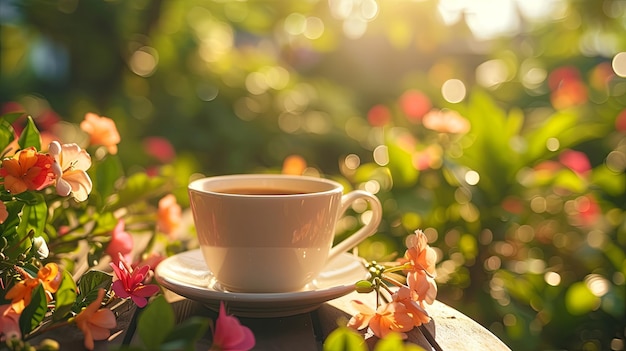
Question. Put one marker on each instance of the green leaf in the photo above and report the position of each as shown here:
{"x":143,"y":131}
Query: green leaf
{"x":11,"y":117}
{"x":138,"y":187}
{"x":184,"y":336}
{"x":105,"y":174}
{"x":7,"y":133}
{"x":34,"y":218}
{"x":400,"y":165}
{"x":393,"y":342}
{"x":344,"y":339}
{"x":36,"y":310}
{"x":31,"y":198}
{"x":65,"y":297}
{"x":88,"y":286}
{"x":30,"y":135}
{"x":579,"y":300}
{"x":155,"y":323}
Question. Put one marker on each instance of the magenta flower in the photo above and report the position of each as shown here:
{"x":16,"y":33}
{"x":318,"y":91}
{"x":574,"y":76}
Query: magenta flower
{"x":131,"y":283}
{"x":230,"y":335}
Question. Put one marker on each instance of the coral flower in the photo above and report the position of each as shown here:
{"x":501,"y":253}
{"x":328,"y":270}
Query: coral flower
{"x":70,"y":170}
{"x":169,"y":214}
{"x":388,"y":318}
{"x":50,"y":276}
{"x":102,"y":131}
{"x":363,"y":317}
{"x":230,"y":335}
{"x":9,"y":323}
{"x":419,"y":253}
{"x":446,"y":121}
{"x":423,"y":285}
{"x":27,"y":170}
{"x":20,"y":294}
{"x":130,"y":283}
{"x":95,"y":323}
{"x":408,"y":298}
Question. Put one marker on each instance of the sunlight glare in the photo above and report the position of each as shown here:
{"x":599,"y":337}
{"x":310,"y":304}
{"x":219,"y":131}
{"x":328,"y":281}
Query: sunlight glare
{"x":453,"y":90}
{"x":619,"y":64}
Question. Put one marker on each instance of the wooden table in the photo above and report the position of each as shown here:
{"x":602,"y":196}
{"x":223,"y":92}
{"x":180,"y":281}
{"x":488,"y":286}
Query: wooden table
{"x":452,"y":330}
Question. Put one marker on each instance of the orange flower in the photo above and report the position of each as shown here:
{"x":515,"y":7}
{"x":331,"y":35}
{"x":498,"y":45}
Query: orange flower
{"x":95,"y":323}
{"x":50,"y":276}
{"x":102,"y":131}
{"x":169,"y":214}
{"x":20,"y":294}
{"x":27,"y":170}
{"x":4,"y":214}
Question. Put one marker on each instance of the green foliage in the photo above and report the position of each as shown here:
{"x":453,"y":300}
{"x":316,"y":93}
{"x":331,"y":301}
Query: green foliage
{"x":88,"y":286}
{"x":30,"y":136}
{"x":35,"y":311}
{"x":65,"y":297}
{"x":157,"y":329}
{"x":344,"y":339}
{"x":347,"y":339}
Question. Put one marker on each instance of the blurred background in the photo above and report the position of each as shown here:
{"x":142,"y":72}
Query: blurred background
{"x":498,"y":127}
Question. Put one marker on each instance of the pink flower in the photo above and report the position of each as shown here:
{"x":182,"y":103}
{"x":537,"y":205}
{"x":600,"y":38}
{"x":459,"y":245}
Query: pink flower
{"x":446,"y":121}
{"x":95,"y":323}
{"x":159,"y":148}
{"x":121,"y":243}
{"x":414,"y":104}
{"x":130,"y":283}
{"x":9,"y":323}
{"x":576,"y":161}
{"x":567,"y":88}
{"x":102,"y":131}
{"x":70,"y":168}
{"x":230,"y":335}
{"x":378,"y":115}
{"x":169,"y":214}
{"x":620,"y":122}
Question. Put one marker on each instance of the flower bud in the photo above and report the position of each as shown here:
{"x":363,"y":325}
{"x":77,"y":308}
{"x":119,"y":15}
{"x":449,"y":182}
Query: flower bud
{"x":49,"y":345}
{"x":364,"y":286}
{"x":40,"y":245}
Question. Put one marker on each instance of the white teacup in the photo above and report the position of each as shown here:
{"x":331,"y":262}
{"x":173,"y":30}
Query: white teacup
{"x":272,"y":233}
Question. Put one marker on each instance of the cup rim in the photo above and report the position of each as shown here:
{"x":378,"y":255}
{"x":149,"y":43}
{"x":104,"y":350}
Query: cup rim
{"x":197,"y":185}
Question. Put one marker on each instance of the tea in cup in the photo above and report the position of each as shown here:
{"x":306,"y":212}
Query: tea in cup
{"x":266,"y":233}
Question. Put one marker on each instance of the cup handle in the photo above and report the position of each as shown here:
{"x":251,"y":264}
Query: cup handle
{"x":368,"y":229}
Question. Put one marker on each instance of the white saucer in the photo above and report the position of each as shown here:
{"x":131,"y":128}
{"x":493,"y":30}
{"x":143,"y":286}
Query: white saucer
{"x":186,"y":274}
